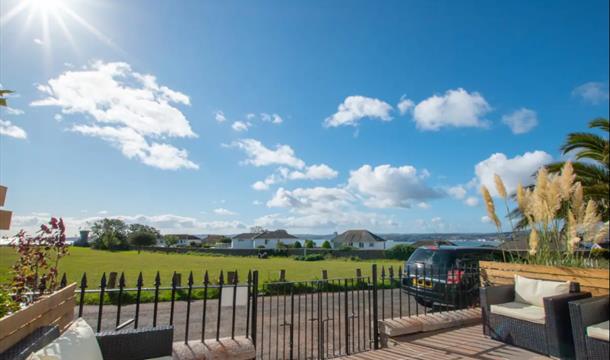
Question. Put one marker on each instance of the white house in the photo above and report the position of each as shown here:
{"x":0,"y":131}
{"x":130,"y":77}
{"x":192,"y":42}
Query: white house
{"x":187,"y":240}
{"x":359,"y":239}
{"x":265,"y":239}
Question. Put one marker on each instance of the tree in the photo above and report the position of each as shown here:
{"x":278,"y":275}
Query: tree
{"x":3,"y":93}
{"x":591,"y":169}
{"x":297,"y":245}
{"x":109,"y":234}
{"x":326,"y":245}
{"x":142,"y":235}
{"x":141,"y":238}
{"x":144,"y":228}
{"x":592,"y":163}
{"x":309,"y":244}
{"x":170,"y":240}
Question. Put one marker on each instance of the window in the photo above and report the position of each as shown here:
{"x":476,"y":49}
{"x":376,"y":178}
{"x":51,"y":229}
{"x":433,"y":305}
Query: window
{"x":371,"y":244}
{"x":360,"y":245}
{"x":266,"y":241}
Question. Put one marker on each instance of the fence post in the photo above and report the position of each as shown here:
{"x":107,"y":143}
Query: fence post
{"x":282,"y":275}
{"x":375,"y":312}
{"x":254,"y":305}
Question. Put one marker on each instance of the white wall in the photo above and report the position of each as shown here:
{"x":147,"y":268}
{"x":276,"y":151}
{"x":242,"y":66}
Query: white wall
{"x":378,"y":245}
{"x":241,"y":244}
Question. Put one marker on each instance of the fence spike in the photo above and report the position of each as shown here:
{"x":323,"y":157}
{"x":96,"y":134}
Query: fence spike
{"x":83,"y":281}
{"x":221,"y":278}
{"x":235,"y":278}
{"x":383,"y":271}
{"x":64,"y":281}
{"x":206,"y":278}
{"x":157,"y":279}
{"x":174,"y":279}
{"x":122,"y":280}
{"x":140,"y":280}
{"x":103,"y":281}
{"x":190,"y":283}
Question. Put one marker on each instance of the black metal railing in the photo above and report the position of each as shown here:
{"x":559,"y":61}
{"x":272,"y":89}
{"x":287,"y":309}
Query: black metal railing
{"x":225,"y":308}
{"x":322,"y":318}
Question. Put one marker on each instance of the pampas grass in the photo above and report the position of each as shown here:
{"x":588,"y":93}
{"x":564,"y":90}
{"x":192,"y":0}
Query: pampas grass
{"x":558,"y":217}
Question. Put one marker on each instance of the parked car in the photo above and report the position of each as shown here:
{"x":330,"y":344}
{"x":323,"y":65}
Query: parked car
{"x":445,"y":276}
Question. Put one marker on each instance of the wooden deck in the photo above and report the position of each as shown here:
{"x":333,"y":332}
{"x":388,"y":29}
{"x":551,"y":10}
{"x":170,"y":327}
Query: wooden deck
{"x":464,"y":343}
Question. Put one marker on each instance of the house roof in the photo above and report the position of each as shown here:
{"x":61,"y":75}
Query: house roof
{"x":245,"y":236}
{"x":357,"y":236}
{"x":277,"y":234}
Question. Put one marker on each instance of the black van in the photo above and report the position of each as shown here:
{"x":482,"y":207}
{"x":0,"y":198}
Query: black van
{"x":445,"y":276}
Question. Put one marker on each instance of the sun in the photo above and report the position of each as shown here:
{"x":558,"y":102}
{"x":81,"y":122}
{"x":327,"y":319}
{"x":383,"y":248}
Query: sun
{"x":53,"y":16}
{"x":46,"y":6}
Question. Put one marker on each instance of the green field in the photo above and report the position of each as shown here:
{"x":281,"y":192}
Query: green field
{"x":96,"y":262}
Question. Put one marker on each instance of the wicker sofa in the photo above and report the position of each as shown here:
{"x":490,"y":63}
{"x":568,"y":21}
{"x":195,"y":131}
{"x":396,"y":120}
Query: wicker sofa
{"x":588,"y":318}
{"x":543,"y":329}
{"x":127,"y":344}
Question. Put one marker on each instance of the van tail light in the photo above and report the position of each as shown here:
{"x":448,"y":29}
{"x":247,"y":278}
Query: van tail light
{"x":454,"y":276}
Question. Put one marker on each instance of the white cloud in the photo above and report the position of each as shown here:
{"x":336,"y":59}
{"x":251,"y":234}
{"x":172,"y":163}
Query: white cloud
{"x":385,"y":186}
{"x":130,"y":110}
{"x":485,"y":219}
{"x":133,"y":145}
{"x":257,"y":203}
{"x":471,"y":201}
{"x":260,"y":155}
{"x":272,"y":118}
{"x":224,"y":212}
{"x":314,"y":172}
{"x":521,"y":121}
{"x":38,"y":41}
{"x":12,"y":111}
{"x":355,"y":108}
{"x":220,"y":116}
{"x":311,"y":200}
{"x":166,"y":223}
{"x":423,"y":205}
{"x":456,"y":108}
{"x":519,"y":169}
{"x":58,"y":117}
{"x":405,"y":105}
{"x":592,"y":92}
{"x":240,"y":126}
{"x":458,"y":192}
{"x":8,"y":129}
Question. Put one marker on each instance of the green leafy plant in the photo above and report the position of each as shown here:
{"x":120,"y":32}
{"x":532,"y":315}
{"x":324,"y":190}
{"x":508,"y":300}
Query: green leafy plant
{"x":110,"y":234}
{"x":399,"y":252}
{"x":7,"y":304}
{"x":326,"y":245}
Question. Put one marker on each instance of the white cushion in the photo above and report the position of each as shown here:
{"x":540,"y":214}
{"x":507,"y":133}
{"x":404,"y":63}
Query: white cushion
{"x":521,"y":311}
{"x":532,"y":291}
{"x":76,"y":343}
{"x":599,"y":331}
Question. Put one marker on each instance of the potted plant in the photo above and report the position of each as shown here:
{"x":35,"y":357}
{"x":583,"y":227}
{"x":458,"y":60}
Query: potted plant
{"x":559,"y":222}
{"x":34,"y":298}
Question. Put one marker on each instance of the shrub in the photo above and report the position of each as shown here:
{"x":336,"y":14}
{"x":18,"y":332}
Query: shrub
{"x":600,"y":253}
{"x":399,"y":252}
{"x":326,"y":245}
{"x":346,"y":248}
{"x":109,"y":234}
{"x":297,"y":245}
{"x":309,"y":244}
{"x":7,"y":305}
{"x":312,"y":257}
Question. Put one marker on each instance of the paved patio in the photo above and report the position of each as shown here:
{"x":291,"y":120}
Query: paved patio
{"x":463,"y":343}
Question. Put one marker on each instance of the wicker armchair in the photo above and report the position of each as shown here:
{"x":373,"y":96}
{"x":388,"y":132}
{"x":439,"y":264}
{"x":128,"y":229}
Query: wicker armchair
{"x":128,"y":344}
{"x":552,"y":336}
{"x":136,"y":344}
{"x":584,"y":313}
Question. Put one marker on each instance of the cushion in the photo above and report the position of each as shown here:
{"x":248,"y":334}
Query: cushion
{"x":532,"y":291}
{"x":599,"y":331}
{"x":76,"y":343}
{"x":521,"y":311}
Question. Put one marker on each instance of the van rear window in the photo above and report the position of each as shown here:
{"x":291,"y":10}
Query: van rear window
{"x":432,"y":257}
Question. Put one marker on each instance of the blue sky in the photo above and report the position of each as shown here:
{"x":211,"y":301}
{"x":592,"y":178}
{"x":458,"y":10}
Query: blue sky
{"x":337,"y":115}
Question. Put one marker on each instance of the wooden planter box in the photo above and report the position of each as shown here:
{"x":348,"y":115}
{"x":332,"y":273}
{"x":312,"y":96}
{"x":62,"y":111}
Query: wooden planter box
{"x":54,"y":309}
{"x":594,"y":281}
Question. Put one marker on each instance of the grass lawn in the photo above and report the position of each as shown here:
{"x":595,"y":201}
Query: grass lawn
{"x":96,"y":262}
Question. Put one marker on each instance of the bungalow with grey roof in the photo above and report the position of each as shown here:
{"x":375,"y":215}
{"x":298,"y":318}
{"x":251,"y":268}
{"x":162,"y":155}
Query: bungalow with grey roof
{"x":265,"y":239}
{"x":359,"y":239}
